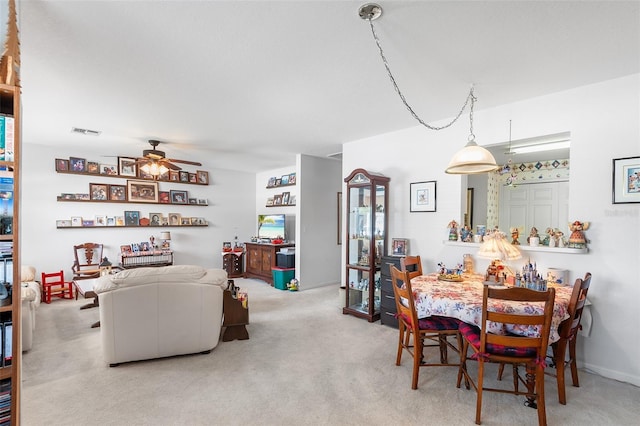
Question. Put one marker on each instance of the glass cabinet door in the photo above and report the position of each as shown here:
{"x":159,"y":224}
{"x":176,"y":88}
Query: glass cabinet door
{"x":365,"y":242}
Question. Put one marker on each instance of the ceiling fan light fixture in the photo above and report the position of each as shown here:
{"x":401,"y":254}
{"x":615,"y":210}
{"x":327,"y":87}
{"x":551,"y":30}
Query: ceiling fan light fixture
{"x":154,"y":168}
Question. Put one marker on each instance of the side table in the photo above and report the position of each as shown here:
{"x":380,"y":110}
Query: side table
{"x":85,"y":288}
{"x":232,"y":262}
{"x":236,"y":317}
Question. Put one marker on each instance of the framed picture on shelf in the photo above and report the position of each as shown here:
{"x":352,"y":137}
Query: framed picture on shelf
{"x":285,"y":198}
{"x":132,"y":218}
{"x":193,"y":178}
{"x":84,"y":197}
{"x":277,"y":200}
{"x":163,"y":197}
{"x":119,"y":220}
{"x":203,"y":201}
{"x":62,"y":165}
{"x":88,"y":222}
{"x":292,"y":200}
{"x":272,"y":182}
{"x":108,"y":169}
{"x":178,"y":197}
{"x":193,"y":201}
{"x":101,"y":220}
{"x":185,"y":221}
{"x":284,"y":180}
{"x":163,"y":176}
{"x":142,"y":192}
{"x":174,"y":176}
{"x":76,"y":221}
{"x":77,"y":164}
{"x":155,"y":219}
{"x":270,"y":201}
{"x":175,"y":219}
{"x":184,"y":176}
{"x":278,"y":182}
{"x":93,"y":167}
{"x":422,"y":196}
{"x":292,"y":179}
{"x":117,"y":193}
{"x":63,"y":223}
{"x":127,"y":167}
{"x":198,"y":221}
{"x":626,"y":180}
{"x":399,"y":246}
{"x":111,"y":221}
{"x":164,"y":221}
{"x":125,"y":249}
{"x":99,"y":191}
{"x":203,"y":177}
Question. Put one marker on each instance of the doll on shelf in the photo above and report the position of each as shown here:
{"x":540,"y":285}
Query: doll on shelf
{"x":533,"y":234}
{"x":577,"y":238}
{"x":453,"y":230}
{"x":515,"y":235}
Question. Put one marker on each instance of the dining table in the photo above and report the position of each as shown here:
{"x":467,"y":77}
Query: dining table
{"x":462,"y":299}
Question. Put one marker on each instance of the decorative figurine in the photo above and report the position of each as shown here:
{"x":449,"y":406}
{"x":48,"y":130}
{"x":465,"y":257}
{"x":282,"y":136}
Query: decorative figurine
{"x":453,"y":230}
{"x":515,"y":234}
{"x":466,"y":234}
{"x":559,"y":237}
{"x":577,"y":238}
{"x":533,"y":234}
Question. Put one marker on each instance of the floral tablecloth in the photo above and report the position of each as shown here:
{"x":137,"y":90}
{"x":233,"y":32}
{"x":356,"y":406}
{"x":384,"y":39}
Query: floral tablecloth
{"x":463,"y":300}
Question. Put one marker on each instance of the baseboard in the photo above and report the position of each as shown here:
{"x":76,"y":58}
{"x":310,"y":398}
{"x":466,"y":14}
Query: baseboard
{"x":612,"y":374}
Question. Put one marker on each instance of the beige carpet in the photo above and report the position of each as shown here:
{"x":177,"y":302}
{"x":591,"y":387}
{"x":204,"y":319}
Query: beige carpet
{"x":305,"y":364}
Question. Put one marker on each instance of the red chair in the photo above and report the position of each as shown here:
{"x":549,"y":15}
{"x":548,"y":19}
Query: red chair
{"x":53,"y":284}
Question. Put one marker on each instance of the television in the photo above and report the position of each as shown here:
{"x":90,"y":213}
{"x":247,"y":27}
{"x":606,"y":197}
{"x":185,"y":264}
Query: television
{"x":271,"y":226}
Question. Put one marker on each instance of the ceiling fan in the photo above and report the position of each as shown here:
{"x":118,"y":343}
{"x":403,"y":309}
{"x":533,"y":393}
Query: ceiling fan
{"x":156,"y":162}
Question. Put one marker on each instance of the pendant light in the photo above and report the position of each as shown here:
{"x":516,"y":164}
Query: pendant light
{"x":472,"y":158}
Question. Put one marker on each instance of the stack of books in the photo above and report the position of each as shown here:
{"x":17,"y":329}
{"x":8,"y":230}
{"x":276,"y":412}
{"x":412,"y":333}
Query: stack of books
{"x":5,"y":402}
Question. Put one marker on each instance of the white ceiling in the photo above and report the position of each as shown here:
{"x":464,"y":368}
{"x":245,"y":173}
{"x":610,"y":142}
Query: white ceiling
{"x":247,"y":85}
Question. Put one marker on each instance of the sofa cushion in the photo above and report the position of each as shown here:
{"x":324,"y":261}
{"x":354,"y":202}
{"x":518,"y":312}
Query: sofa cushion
{"x":27,"y":273}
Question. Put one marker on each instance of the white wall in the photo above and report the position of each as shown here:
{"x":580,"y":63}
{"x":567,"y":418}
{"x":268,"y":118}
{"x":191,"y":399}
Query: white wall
{"x":317,"y":227}
{"x":262,"y":193}
{"x":230,"y":212}
{"x":604,"y":121}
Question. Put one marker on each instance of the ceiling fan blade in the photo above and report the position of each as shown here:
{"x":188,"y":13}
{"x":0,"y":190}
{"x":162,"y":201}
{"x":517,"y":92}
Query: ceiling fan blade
{"x":193,"y":163}
{"x":170,"y":166}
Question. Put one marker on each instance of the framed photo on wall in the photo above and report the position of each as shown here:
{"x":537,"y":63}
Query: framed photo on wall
{"x":142,"y":192}
{"x":178,"y":197}
{"x":422,"y":196}
{"x":62,"y":165}
{"x":99,"y":191}
{"x":626,"y":180}
{"x":127,"y":167}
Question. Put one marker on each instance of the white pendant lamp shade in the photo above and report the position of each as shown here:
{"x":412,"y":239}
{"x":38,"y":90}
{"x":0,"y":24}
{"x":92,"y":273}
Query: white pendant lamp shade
{"x":472,"y":159}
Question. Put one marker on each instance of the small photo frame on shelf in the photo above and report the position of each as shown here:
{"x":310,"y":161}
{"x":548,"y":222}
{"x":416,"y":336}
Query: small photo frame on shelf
{"x":164,"y":221}
{"x":399,"y":247}
{"x":174,"y":176}
{"x":626,"y":180}
{"x":270,"y":201}
{"x":193,"y":178}
{"x":284,"y":180}
{"x":203,"y":177}
{"x":65,"y":196}
{"x":203,"y":201}
{"x":99,"y":191}
{"x":108,"y":169}
{"x":88,"y":222}
{"x":193,"y":201}
{"x":117,"y":193}
{"x":184,"y":176}
{"x":135,"y":247}
{"x":132,"y":218}
{"x":163,"y":197}
{"x":77,"y":164}
{"x":175,"y":219}
{"x":93,"y":167}
{"x":277,"y":200}
{"x":119,"y":220}
{"x":272,"y":182}
{"x":285,"y":198}
{"x":200,"y":221}
{"x":142,"y":192}
{"x":83,"y":197}
{"x":292,"y":200}
{"x":185,"y":221}
{"x":62,"y":165}
{"x":101,"y":220}
{"x":292,"y":179}
{"x":125,"y":249}
{"x":127,"y":167}
{"x":178,"y":197}
{"x":422,"y":196}
{"x":144,"y":246}
{"x":63,"y":223}
{"x":155,"y":219}
{"x":111,"y":221}
{"x":278,"y":182}
{"x":76,"y":221}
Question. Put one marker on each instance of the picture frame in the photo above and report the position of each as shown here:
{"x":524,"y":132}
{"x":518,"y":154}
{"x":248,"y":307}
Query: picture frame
{"x":399,"y":247}
{"x":108,"y":169}
{"x":93,"y":167}
{"x":111,"y":221}
{"x":142,"y":192}
{"x":119,"y":220}
{"x":76,"y":220}
{"x":99,"y":191}
{"x":292,"y":179}
{"x":175,"y":219}
{"x":163,"y":176}
{"x":285,"y":198}
{"x":117,"y":193}
{"x":163,"y":197}
{"x":185,"y":221}
{"x":127,"y":167}
{"x":174,"y":176}
{"x":284,"y":180}
{"x":78,"y":165}
{"x":184,"y":176}
{"x":63,"y":223}
{"x":62,"y":165}
{"x":272,"y":182}
{"x":269,"y":201}
{"x":88,"y":222}
{"x":193,"y":201}
{"x":178,"y":197}
{"x":422,"y":196}
{"x":193,"y":178}
{"x":292,"y":200}
{"x":626,"y":180}
{"x":132,"y":218}
{"x":155,"y":219}
{"x":203,"y":201}
{"x":125,"y":249}
{"x":101,"y":220}
{"x":277,"y":200}
{"x":203,"y":177}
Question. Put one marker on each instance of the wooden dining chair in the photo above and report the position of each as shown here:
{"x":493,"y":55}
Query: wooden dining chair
{"x":87,"y":258}
{"x":568,"y":332}
{"x":414,"y":331}
{"x":510,"y":348}
{"x":53,"y":284}
{"x":413,"y":264}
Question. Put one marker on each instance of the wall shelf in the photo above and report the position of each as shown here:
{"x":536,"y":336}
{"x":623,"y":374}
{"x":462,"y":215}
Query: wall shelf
{"x":64,"y":200}
{"x":562,"y":250}
{"x":133,"y":226}
{"x":69,"y":172}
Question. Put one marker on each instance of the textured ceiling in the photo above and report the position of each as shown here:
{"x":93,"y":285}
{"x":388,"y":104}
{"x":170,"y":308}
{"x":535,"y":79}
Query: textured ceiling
{"x":247,"y":85}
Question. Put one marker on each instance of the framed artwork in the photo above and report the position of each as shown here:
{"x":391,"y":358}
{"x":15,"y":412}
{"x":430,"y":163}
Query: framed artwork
{"x":174,"y":176}
{"x":101,"y":220}
{"x":119,"y":220}
{"x":399,"y":247}
{"x":203,"y":201}
{"x":292,"y":200}
{"x":142,"y":192}
{"x":164,"y":221}
{"x":76,"y":221}
{"x":117,"y":193}
{"x":422,"y":196}
{"x":626,"y":180}
{"x":185,"y":221}
{"x":125,"y":249}
{"x":193,"y":201}
{"x":77,"y":164}
{"x":292,"y":179}
{"x":178,"y":197}
{"x":111,"y":221}
{"x":270,"y":201}
{"x":193,"y":178}
{"x":184,"y":176}
{"x":278,"y":182}
{"x":284,"y":180}
{"x":155,"y":219}
{"x":163,"y":197}
{"x":131,"y":218}
{"x":272,"y":182}
{"x":175,"y":219}
{"x":62,"y":165}
{"x":88,"y":222}
{"x":127,"y":167}
{"x":277,"y":200}
{"x":98,"y":191}
{"x":203,"y":177}
{"x":93,"y":167}
{"x":285,"y":198}
{"x":108,"y":169}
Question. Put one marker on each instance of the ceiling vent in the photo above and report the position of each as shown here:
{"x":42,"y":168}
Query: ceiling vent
{"x":85,"y":131}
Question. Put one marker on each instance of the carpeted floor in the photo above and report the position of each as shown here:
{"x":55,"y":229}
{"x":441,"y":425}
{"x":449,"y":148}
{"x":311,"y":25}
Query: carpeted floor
{"x":305,"y":364}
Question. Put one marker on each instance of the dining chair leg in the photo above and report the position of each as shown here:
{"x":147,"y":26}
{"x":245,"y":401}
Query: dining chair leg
{"x":442,"y":342}
{"x":462,"y":369}
{"x":542,"y":411}
{"x":479,"y":389}
{"x":417,"y":358}
{"x":559,"y":350}
{"x":401,"y":334}
{"x":500,"y":370}
{"x":574,"y":366}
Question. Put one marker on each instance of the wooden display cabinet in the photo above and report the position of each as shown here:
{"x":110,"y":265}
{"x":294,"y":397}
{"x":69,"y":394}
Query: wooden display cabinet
{"x":366,"y":242}
{"x":261,"y":258}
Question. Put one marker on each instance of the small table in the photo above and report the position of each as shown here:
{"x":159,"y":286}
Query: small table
{"x":236,"y":317}
{"x":85,"y":288}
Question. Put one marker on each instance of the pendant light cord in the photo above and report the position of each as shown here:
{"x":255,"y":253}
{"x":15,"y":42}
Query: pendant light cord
{"x":470,"y":96}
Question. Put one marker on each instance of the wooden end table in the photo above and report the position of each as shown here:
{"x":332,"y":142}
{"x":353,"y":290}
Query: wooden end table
{"x":236,"y":317}
{"x":85,"y":288}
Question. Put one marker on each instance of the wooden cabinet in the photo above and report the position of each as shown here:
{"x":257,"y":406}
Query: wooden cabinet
{"x":366,"y":242}
{"x":232,"y":263}
{"x":387,"y":298}
{"x":261,"y":258}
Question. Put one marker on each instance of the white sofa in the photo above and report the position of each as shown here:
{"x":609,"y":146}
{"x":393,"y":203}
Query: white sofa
{"x":30,"y":294}
{"x":150,"y":313}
